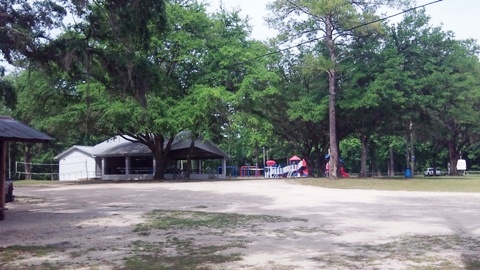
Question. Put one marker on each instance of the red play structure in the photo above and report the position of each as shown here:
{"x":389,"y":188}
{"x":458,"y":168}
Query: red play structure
{"x":246,"y":171}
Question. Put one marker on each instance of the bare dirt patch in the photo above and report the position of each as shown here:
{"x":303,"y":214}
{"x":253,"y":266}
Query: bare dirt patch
{"x":261,"y":224}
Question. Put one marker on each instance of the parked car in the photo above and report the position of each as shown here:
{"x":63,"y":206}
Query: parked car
{"x":432,"y":172}
{"x":9,"y":197}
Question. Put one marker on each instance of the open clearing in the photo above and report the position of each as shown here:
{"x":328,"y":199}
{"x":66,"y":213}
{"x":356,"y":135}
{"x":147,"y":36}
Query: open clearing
{"x":253,"y":224}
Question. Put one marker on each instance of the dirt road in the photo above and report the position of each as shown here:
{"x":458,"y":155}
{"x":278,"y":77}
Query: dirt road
{"x":278,"y":225}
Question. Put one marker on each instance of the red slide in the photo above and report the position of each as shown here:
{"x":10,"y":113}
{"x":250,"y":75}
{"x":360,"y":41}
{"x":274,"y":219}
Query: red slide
{"x":344,"y":173}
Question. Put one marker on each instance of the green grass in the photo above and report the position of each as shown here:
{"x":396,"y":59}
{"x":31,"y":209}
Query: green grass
{"x":171,"y":219}
{"x":470,"y":183}
{"x":419,"y":183}
{"x":15,"y":252}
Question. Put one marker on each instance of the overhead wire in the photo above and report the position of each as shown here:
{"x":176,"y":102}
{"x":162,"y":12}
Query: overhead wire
{"x":338,"y":33}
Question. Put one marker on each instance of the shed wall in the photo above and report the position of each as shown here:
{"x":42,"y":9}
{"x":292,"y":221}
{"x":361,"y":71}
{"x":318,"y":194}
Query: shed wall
{"x":76,"y":166}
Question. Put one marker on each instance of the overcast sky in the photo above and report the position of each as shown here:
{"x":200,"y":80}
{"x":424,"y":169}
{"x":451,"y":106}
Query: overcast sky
{"x":460,"y":16}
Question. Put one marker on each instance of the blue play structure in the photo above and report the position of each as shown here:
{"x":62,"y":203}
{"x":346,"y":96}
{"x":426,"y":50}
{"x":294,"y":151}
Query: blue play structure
{"x":231,"y":171}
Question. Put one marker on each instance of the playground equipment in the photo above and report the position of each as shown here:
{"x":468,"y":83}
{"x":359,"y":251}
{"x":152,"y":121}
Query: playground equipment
{"x":297,"y":168}
{"x":342,"y":168}
{"x":343,"y":172}
{"x":247,"y":171}
{"x":230,"y":171}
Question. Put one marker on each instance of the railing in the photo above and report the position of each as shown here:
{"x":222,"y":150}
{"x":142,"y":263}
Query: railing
{"x":471,"y":173}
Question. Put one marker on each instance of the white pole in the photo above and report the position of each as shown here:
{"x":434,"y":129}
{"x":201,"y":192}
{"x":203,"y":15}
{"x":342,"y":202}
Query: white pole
{"x":264,"y":165}
{"x":264,"y":156}
{"x":86,"y":168}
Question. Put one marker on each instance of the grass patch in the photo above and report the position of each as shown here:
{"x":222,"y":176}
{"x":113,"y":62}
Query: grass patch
{"x":172,"y":219}
{"x":185,"y":254}
{"x":147,"y":262}
{"x":433,"y":184}
{"x":17,"y":252}
{"x":468,"y":183}
{"x":11,"y":257}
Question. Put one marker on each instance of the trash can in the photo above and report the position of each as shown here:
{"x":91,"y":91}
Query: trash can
{"x":408,"y":173}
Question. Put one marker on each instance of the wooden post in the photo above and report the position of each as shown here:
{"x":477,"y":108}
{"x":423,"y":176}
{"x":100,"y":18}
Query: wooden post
{"x":2,"y":178}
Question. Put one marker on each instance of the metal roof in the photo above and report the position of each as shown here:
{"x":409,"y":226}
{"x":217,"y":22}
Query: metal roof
{"x":13,"y":130}
{"x":126,"y":149}
{"x":87,"y":150}
{"x":119,"y":146}
{"x":203,"y":148}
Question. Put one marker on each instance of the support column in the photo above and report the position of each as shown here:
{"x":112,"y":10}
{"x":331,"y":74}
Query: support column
{"x":103,"y":167}
{"x":3,"y":157}
{"x":224,"y":168}
{"x":127,"y":165}
{"x":154,"y":163}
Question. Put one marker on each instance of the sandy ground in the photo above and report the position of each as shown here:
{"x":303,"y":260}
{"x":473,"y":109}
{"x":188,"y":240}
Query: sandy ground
{"x":92,"y":226}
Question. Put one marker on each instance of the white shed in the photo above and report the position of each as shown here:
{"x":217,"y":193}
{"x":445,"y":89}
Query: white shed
{"x":76,"y":163}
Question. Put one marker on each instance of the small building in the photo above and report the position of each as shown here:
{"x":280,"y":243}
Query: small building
{"x":77,"y":162}
{"x":120,"y":159}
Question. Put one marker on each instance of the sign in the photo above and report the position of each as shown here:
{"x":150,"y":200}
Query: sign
{"x":461,"y":165}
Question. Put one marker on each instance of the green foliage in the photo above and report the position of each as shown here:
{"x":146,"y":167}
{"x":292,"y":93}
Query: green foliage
{"x":8,"y":96}
{"x":161,"y":67}
{"x":25,"y":27}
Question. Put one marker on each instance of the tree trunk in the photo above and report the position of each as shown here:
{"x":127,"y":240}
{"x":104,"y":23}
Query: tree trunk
{"x":363,"y":159}
{"x":160,"y":165}
{"x":27,"y":159}
{"x":407,"y":152}
{"x":412,"y":150}
{"x":391,"y":164}
{"x":333,"y":163}
{"x":373,"y":163}
{"x":453,"y":157}
{"x":160,"y":151}
{"x":189,"y":157}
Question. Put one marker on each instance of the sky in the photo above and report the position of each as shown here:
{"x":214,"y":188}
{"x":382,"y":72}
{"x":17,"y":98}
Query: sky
{"x":460,"y":16}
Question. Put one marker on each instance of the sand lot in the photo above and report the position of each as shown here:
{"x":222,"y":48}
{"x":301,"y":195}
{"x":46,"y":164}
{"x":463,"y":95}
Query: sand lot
{"x":92,"y":226}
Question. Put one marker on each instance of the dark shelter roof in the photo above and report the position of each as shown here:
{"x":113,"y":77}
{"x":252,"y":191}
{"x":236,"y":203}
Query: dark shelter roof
{"x":13,"y":130}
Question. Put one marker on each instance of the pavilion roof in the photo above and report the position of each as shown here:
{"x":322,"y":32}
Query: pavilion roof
{"x":13,"y":130}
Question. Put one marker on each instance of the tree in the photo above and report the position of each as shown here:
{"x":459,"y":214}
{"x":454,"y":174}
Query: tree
{"x":453,"y":111}
{"x":302,"y":101}
{"x":332,"y":22}
{"x":25,"y":28}
{"x":55,"y":105}
{"x":184,"y":79}
{"x":442,"y":85}
{"x":371,"y":99}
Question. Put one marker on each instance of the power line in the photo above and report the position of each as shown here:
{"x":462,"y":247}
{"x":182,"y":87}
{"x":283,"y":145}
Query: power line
{"x":339,"y":33}
{"x":394,"y":15}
